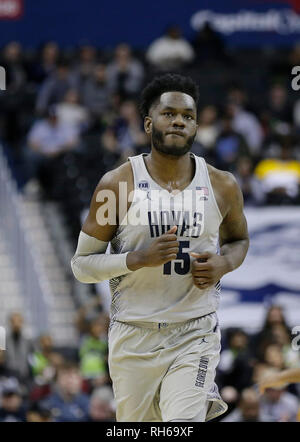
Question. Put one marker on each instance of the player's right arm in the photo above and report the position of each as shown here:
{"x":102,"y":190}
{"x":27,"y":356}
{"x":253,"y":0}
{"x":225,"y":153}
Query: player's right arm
{"x":91,"y":264}
{"x":105,"y":196}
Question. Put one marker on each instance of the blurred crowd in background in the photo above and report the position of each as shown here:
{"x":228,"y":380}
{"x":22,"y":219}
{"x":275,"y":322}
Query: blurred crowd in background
{"x":42,"y":383}
{"x":69,"y":115}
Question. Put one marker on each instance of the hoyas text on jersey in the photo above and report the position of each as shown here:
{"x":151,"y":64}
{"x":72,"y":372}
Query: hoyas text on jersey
{"x":188,"y":224}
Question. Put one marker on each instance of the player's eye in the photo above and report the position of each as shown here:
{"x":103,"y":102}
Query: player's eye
{"x":168,"y":114}
{"x":188,"y":117}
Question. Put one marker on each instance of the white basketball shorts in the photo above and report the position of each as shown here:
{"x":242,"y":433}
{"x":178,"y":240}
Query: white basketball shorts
{"x":163,"y":372}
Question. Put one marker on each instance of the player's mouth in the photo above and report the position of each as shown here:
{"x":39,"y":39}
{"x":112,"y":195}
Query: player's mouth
{"x":176,"y":133}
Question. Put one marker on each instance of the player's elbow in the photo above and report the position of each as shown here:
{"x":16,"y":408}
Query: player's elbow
{"x":78,"y":271}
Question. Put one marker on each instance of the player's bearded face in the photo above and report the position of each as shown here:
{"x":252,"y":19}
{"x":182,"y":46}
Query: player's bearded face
{"x":176,"y":146}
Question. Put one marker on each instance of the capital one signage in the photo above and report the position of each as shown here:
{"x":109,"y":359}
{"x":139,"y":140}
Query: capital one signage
{"x":280,"y":21}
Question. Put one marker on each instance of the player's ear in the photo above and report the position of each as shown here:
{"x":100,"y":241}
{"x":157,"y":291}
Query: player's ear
{"x":148,"y":125}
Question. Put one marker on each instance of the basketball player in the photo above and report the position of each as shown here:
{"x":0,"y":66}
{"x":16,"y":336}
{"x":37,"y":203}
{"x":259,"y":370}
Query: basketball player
{"x":164,"y":338}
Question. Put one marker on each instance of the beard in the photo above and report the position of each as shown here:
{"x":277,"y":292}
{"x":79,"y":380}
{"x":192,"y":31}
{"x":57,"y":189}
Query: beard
{"x":158,"y":143}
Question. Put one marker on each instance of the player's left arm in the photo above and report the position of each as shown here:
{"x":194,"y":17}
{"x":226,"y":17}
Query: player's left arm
{"x":233,"y":240}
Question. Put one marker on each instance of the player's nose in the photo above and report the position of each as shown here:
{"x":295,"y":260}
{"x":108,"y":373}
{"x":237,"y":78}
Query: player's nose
{"x":178,"y":121}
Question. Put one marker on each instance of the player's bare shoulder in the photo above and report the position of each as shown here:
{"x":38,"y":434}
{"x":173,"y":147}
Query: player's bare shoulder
{"x":221,"y":178}
{"x":226,"y":188}
{"x":112,"y":178}
{"x":106,"y":194}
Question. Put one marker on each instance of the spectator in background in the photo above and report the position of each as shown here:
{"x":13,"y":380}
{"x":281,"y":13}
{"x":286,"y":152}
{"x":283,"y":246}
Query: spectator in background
{"x":235,"y":367}
{"x":46,"y":63}
{"x":208,"y":46}
{"x":93,"y":352}
{"x":18,"y":348}
{"x":274,"y":316}
{"x":281,"y":337}
{"x":84,"y":68}
{"x":14,"y":67}
{"x":248,"y":409}
{"x":44,"y":360}
{"x":12,"y":407}
{"x":278,"y":405}
{"x":50,"y":137}
{"x":113,"y":111}
{"x":55,"y":87}
{"x":67,"y":403}
{"x":12,"y":100}
{"x":247,"y":182}
{"x":294,"y":56}
{"x":125,"y":74}
{"x":37,"y":413}
{"x":243,"y":121}
{"x":8,"y":384}
{"x":171,"y":51}
{"x":39,"y":360}
{"x":111,"y":150}
{"x":5,"y":372}
{"x":102,"y":405}
{"x":42,"y":385}
{"x":104,"y":150}
{"x":102,"y":153}
{"x":278,"y":105}
{"x":71,"y":112}
{"x":208,"y":127}
{"x":230,"y":145}
{"x":273,"y":356}
{"x":96,"y":92}
{"x":48,"y":141}
{"x":279,"y":177}
{"x":276,"y":118}
{"x":276,"y":348}
{"x":84,"y":314}
{"x":129,"y":129}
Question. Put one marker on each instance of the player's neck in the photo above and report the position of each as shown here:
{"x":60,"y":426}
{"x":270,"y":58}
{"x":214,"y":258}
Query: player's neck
{"x":173,"y":171}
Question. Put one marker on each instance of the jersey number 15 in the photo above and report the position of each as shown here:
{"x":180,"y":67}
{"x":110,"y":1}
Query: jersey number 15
{"x":183,"y":267}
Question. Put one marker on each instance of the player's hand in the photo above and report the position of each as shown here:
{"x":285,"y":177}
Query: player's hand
{"x":162,"y":250}
{"x":207,"y":269}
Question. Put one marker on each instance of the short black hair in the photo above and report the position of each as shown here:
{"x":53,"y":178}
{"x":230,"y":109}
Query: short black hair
{"x":167,"y":83}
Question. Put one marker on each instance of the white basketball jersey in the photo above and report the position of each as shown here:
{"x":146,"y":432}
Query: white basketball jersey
{"x":166,"y":293}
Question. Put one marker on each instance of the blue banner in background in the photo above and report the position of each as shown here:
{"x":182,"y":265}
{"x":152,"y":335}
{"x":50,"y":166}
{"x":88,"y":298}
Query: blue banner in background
{"x":69,"y":22}
{"x":270,"y":273}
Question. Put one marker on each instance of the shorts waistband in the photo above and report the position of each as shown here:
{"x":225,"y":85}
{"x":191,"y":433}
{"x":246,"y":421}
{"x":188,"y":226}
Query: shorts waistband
{"x":163,"y":325}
